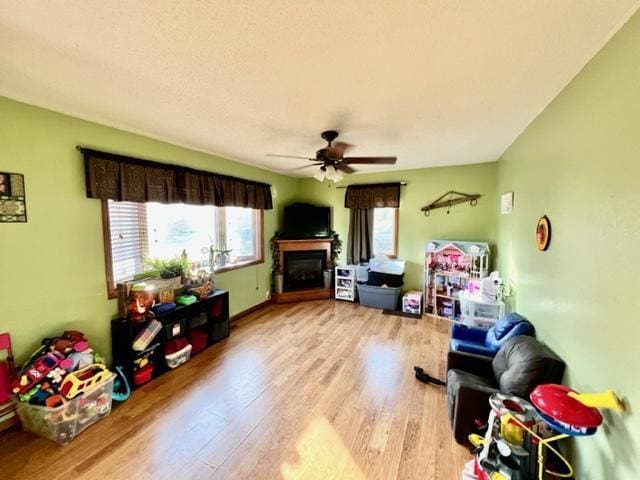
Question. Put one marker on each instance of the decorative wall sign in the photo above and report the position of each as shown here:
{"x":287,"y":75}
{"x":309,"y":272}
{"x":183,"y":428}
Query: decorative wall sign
{"x":543,"y":233}
{"x":13,"y":207}
{"x":506,"y":203}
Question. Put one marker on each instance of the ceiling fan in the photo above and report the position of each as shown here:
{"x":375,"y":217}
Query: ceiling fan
{"x":332,"y":162}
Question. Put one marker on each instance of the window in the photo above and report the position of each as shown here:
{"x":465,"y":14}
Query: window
{"x":385,"y":231}
{"x":137,"y":230}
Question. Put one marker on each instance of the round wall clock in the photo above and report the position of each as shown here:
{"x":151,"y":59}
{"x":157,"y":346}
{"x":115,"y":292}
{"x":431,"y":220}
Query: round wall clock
{"x":543,"y":233}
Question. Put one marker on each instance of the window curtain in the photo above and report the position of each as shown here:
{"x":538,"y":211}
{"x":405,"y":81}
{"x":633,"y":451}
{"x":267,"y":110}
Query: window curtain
{"x":379,"y":195}
{"x":121,"y":178}
{"x":360,"y":238}
{"x":361,"y":200}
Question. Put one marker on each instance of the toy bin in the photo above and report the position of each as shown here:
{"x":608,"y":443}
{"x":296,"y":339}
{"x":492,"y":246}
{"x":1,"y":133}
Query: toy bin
{"x":198,"y":339}
{"x":174,"y":360}
{"x":62,"y":424}
{"x":379,"y":297}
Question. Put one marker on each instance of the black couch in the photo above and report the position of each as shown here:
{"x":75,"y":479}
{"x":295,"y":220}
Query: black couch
{"x":520,"y":365}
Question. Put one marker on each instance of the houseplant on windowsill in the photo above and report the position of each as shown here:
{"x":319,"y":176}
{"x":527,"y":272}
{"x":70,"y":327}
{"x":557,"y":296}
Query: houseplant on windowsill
{"x":169,"y":269}
{"x":218,"y":257}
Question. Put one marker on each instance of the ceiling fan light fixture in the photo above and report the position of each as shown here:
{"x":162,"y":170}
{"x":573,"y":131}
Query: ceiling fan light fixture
{"x":338,"y":176}
{"x":332,"y":173}
{"x":320,"y":174}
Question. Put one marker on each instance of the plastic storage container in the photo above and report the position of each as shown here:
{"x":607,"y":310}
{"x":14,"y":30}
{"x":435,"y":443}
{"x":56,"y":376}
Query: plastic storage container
{"x":412,"y":302}
{"x":379,"y":297}
{"x":477,"y":313}
{"x":198,"y":339}
{"x":176,"y":359}
{"x":62,"y":424}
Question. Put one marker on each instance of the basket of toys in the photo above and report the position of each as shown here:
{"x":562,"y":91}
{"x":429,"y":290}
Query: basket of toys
{"x":63,"y":388}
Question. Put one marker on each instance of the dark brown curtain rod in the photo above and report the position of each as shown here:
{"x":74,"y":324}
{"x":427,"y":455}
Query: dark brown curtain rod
{"x":402,"y":184}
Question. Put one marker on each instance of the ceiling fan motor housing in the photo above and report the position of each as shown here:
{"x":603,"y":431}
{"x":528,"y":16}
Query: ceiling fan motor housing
{"x":329,"y":135}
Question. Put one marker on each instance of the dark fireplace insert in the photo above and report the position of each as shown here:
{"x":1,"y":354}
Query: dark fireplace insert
{"x":304,"y":269}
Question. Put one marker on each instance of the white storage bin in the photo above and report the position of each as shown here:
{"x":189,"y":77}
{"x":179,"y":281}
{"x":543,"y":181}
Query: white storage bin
{"x":478,"y":313}
{"x":176,"y":359}
{"x":62,"y":424}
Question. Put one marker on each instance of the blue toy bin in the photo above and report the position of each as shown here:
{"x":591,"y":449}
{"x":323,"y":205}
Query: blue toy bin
{"x":62,"y":424}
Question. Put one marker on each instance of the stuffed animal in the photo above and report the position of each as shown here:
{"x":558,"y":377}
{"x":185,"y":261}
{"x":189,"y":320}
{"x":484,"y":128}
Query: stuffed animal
{"x":140,"y":303}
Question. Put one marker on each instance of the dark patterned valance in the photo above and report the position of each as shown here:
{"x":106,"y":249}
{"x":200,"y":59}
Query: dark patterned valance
{"x":379,"y":195}
{"x":121,"y":178}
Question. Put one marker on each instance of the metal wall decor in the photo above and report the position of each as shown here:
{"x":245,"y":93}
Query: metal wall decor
{"x":454,"y":198}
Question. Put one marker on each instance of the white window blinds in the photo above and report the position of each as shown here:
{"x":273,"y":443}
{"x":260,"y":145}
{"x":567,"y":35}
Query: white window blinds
{"x":129,"y":238}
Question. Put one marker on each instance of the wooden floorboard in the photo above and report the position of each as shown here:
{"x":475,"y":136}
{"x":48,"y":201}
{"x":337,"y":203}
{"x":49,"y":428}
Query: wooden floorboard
{"x":316,"y":390}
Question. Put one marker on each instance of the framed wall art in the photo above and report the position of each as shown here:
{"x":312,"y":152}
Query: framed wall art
{"x":13,"y":207}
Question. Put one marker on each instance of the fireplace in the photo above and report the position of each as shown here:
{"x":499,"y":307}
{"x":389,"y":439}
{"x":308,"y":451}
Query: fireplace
{"x":302,"y":264}
{"x":304,"y":269}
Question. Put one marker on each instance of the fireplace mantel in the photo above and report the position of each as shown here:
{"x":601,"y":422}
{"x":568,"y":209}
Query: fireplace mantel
{"x":302,"y":245}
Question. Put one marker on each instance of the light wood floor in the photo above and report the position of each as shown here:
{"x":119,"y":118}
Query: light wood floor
{"x":317,"y":390}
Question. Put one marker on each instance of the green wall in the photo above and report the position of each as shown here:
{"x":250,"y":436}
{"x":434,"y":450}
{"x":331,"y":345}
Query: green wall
{"x":579,"y":163}
{"x":414,"y":229}
{"x":52,"y":274}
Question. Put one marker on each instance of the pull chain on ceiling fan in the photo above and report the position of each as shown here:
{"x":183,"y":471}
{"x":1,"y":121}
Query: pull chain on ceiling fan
{"x":332,"y":162}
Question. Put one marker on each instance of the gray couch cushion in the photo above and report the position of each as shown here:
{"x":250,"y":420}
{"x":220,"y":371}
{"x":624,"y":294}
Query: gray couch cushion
{"x":458,"y":378}
{"x":522,"y":363}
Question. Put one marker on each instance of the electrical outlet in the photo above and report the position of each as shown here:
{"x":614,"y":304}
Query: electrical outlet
{"x":267,"y":294}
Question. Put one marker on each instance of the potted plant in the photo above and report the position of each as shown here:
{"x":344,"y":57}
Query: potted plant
{"x":276,"y":272}
{"x":168,"y":268}
{"x":336,"y":248}
{"x":217,"y":256}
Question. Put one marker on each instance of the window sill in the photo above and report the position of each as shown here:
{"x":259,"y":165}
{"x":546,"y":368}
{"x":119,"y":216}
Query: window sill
{"x":112,"y":293}
{"x":236,"y":266}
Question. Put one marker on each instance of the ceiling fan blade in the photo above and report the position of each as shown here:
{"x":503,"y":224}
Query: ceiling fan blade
{"x":369,"y":160}
{"x":303,"y":166}
{"x":345,"y":168}
{"x":337,"y":149}
{"x":289,"y":156}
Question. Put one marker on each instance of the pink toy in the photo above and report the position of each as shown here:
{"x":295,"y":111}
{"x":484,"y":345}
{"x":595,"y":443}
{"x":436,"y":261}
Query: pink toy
{"x":473,"y":286}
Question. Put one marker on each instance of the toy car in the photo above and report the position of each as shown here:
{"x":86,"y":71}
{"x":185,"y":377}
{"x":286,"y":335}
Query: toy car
{"x":84,"y":379}
{"x":36,"y":372}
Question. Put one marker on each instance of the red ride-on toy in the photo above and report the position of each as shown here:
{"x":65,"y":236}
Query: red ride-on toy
{"x":7,"y":368}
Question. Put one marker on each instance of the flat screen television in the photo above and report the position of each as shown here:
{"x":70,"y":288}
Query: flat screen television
{"x":302,"y":220}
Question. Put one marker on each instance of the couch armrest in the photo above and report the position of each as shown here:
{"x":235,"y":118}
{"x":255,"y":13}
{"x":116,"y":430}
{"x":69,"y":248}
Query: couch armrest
{"x":470,"y":347}
{"x":469,"y":334}
{"x":471,"y":363}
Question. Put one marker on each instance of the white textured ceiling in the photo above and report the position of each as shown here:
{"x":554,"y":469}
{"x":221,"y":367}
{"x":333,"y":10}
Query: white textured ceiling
{"x":434,"y":82}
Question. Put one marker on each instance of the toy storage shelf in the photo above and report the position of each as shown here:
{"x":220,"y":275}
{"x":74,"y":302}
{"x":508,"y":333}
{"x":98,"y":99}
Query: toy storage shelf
{"x":346,"y":283}
{"x":204,"y":323}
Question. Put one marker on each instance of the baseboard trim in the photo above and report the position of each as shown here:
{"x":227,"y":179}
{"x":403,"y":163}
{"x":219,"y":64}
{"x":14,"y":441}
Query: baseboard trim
{"x":248,"y":311}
